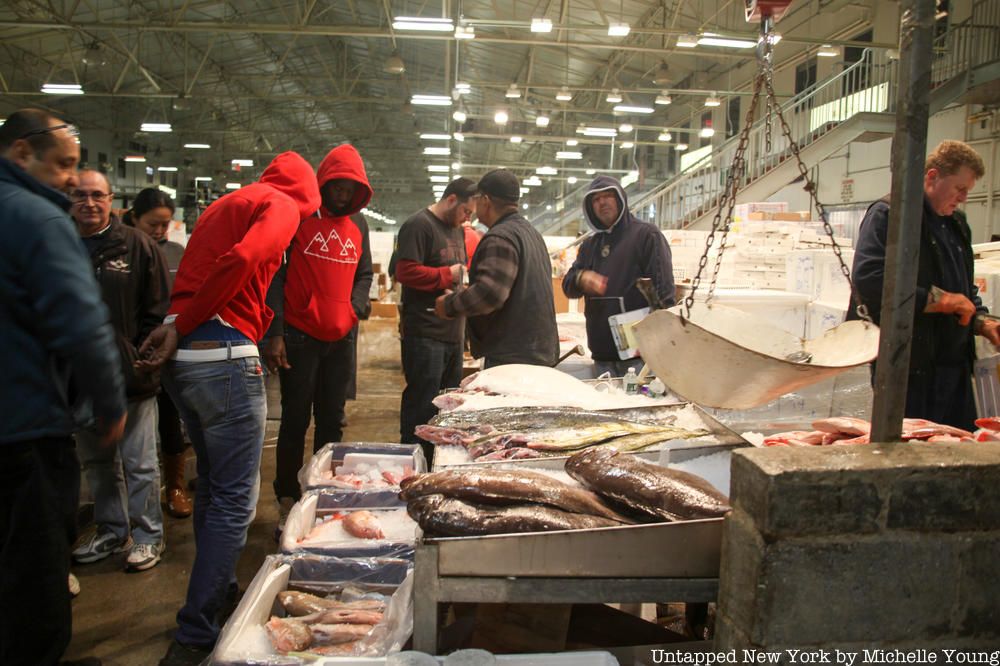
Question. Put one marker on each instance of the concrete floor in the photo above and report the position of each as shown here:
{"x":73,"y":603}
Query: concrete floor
{"x":128,"y":619}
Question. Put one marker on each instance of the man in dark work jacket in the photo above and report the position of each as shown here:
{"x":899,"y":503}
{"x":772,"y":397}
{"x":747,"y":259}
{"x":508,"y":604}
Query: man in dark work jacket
{"x":508,"y":303}
{"x":947,"y":308}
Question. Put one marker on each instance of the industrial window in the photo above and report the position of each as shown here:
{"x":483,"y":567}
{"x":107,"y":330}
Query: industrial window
{"x":853,"y":54}
{"x":733,"y":124}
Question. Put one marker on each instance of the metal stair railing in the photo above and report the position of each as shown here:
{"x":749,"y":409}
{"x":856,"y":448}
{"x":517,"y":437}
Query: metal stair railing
{"x":867,"y":85}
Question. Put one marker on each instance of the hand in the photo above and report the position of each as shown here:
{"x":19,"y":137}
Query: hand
{"x":109,"y":432}
{"x":592,"y":283}
{"x":990,"y":329}
{"x":275,"y":355}
{"x":157,"y":348}
{"x":456,"y":273}
{"x":439,"y":304}
{"x":956,"y":304}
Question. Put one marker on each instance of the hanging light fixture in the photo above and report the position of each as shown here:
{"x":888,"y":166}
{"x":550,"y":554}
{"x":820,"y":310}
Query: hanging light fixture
{"x":665,"y":136}
{"x":501,"y":117}
{"x":614,"y":97}
{"x":541,"y":25}
{"x":663,"y":99}
{"x":542,"y":120}
{"x":459,"y":115}
{"x":564,"y":95}
{"x":661,"y":77}
{"x":712,"y":100}
{"x":394,"y":64}
{"x":513,"y":92}
{"x":625,"y":128}
{"x":828,"y":51}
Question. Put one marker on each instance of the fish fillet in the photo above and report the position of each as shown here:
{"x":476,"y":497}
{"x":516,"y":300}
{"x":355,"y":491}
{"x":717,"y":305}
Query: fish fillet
{"x":657,"y":492}
{"x":499,"y":486}
{"x":447,"y":516}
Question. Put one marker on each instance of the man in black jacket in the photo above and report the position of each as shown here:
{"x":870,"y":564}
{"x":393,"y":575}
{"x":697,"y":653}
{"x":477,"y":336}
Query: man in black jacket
{"x":124,"y":481}
{"x":621,"y":250}
{"x":947,"y":309}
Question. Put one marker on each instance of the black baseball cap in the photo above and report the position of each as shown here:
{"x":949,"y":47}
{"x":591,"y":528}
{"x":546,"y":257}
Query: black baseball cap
{"x":461,"y":187}
{"x":500,"y":184}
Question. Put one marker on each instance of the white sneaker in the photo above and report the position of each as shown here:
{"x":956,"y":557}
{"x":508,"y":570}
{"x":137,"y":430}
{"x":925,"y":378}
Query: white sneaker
{"x":100,"y":544}
{"x":143,"y":556}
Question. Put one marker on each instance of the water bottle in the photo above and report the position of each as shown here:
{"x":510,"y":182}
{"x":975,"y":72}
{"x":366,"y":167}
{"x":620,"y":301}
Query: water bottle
{"x":657,"y":389}
{"x":631,"y":382}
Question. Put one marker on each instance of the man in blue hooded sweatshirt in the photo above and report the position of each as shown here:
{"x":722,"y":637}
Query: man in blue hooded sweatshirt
{"x":621,"y":250}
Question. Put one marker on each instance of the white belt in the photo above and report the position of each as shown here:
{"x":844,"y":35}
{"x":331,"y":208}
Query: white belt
{"x":221,"y":354}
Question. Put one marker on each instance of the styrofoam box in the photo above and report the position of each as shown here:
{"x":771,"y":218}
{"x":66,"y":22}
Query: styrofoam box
{"x":742,"y":210}
{"x":400,"y":532}
{"x":314,"y":473}
{"x":817,"y":274}
{"x":781,"y":308}
{"x":987,"y":279}
{"x":824,"y":315}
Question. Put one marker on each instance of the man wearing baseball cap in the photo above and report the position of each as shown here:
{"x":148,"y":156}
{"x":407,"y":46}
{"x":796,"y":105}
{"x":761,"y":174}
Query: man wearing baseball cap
{"x":508,"y":303}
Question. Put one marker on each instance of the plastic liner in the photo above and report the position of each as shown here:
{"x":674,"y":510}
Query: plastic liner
{"x":244,"y":640}
{"x":350,"y":458}
{"x":399,"y":529}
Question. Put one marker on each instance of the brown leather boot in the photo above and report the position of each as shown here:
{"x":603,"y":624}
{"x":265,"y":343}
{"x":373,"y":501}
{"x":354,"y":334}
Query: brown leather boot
{"x":178,"y":502}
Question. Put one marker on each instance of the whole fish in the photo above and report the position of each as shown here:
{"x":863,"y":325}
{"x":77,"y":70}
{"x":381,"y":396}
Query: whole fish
{"x":660,"y":493}
{"x":303,"y":603}
{"x":342,"y":616}
{"x":508,"y":419}
{"x":453,"y":436}
{"x":565,"y":438}
{"x":447,"y":516}
{"x":288,"y":634}
{"x":507,"y":486}
{"x":517,"y":453}
{"x":364,"y":525}
{"x":331,"y":634}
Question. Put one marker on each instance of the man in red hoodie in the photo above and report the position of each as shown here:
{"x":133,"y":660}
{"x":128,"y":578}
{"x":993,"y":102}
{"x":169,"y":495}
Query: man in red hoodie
{"x":216,"y":380}
{"x":309,"y":343}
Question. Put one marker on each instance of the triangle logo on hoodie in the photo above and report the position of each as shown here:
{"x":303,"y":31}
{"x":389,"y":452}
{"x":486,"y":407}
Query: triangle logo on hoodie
{"x":323,"y":248}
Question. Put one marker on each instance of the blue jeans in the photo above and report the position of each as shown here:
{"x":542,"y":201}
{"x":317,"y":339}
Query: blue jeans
{"x":429,"y":366}
{"x":223,"y":406}
{"x":125,"y":479}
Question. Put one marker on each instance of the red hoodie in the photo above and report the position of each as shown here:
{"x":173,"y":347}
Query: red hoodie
{"x":236,"y":247}
{"x":324,"y":256}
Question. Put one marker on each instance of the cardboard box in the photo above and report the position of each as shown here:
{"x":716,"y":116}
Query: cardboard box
{"x":385,"y":310}
{"x":558,"y":297}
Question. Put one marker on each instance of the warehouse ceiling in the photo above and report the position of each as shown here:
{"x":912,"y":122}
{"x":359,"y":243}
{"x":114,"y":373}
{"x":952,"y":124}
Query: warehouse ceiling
{"x":256,"y":77}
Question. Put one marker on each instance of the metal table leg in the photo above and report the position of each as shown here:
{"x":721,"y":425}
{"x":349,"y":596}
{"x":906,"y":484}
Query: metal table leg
{"x":426,"y":595}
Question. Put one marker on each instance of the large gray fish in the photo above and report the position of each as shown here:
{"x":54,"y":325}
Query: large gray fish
{"x":506,"y":486}
{"x":660,"y":493}
{"x":509,"y":419}
{"x":564,"y":438}
{"x":447,"y":516}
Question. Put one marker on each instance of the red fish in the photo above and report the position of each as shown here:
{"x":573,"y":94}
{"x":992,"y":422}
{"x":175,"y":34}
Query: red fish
{"x":288,"y":635}
{"x":364,"y":525}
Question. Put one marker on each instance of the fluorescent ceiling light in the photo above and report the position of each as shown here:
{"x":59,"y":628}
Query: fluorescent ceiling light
{"x":516,"y":139}
{"x":465,"y":32}
{"x":564,"y":95}
{"x":627,"y":108}
{"x":618,"y":29}
{"x":707,"y":132}
{"x":243,"y":163}
{"x":572,"y":142}
{"x":541,"y":25}
{"x":459,"y":136}
{"x":687,"y":41}
{"x":155,"y":127}
{"x":431,"y":100}
{"x":681,"y":146}
{"x":420,"y":23}
{"x":455,"y":166}
{"x":202,"y":179}
{"x":627,"y":144}
{"x":62,"y":89}
{"x":435,"y":137}
{"x":542,"y":121}
{"x":431,"y":150}
{"x":533,"y":181}
{"x":437,"y":168}
{"x":614,"y":97}
{"x":525,"y":190}
{"x":598,"y":131}
{"x":663,"y":99}
{"x":591,"y":172}
{"x":463,"y":88}
{"x":512,"y":92}
{"x":548,"y":206}
{"x":233,"y":186}
{"x":546,"y":171}
{"x":712,"y":100}
{"x":571,"y":180}
{"x":625,"y":128}
{"x":135,"y":158}
{"x":199,"y":146}
{"x":709,"y":39}
{"x":440,"y":179}
{"x":665,"y":136}
{"x":569,"y":155}
{"x":827,"y":51}
{"x":166,"y":168}
{"x":500,"y":117}
{"x":459,"y":116}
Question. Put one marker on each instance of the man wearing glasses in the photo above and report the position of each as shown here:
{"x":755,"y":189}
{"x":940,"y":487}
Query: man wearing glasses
{"x":54,"y":326}
{"x":125,"y":482}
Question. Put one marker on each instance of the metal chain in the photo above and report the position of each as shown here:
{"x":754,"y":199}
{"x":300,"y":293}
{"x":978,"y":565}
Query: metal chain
{"x":810,"y":187}
{"x":727,"y":201}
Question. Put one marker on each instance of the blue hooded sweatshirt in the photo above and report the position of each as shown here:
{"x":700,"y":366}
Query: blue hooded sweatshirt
{"x":628,"y":250}
{"x":60,"y":358}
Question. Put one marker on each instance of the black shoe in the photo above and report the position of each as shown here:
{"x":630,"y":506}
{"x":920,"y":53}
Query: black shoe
{"x":184,"y":655}
{"x":86,"y":661}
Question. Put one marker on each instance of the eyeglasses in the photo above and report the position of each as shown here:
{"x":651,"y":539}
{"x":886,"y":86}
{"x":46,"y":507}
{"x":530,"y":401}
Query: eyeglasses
{"x":71,"y":129}
{"x":78,"y":196}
